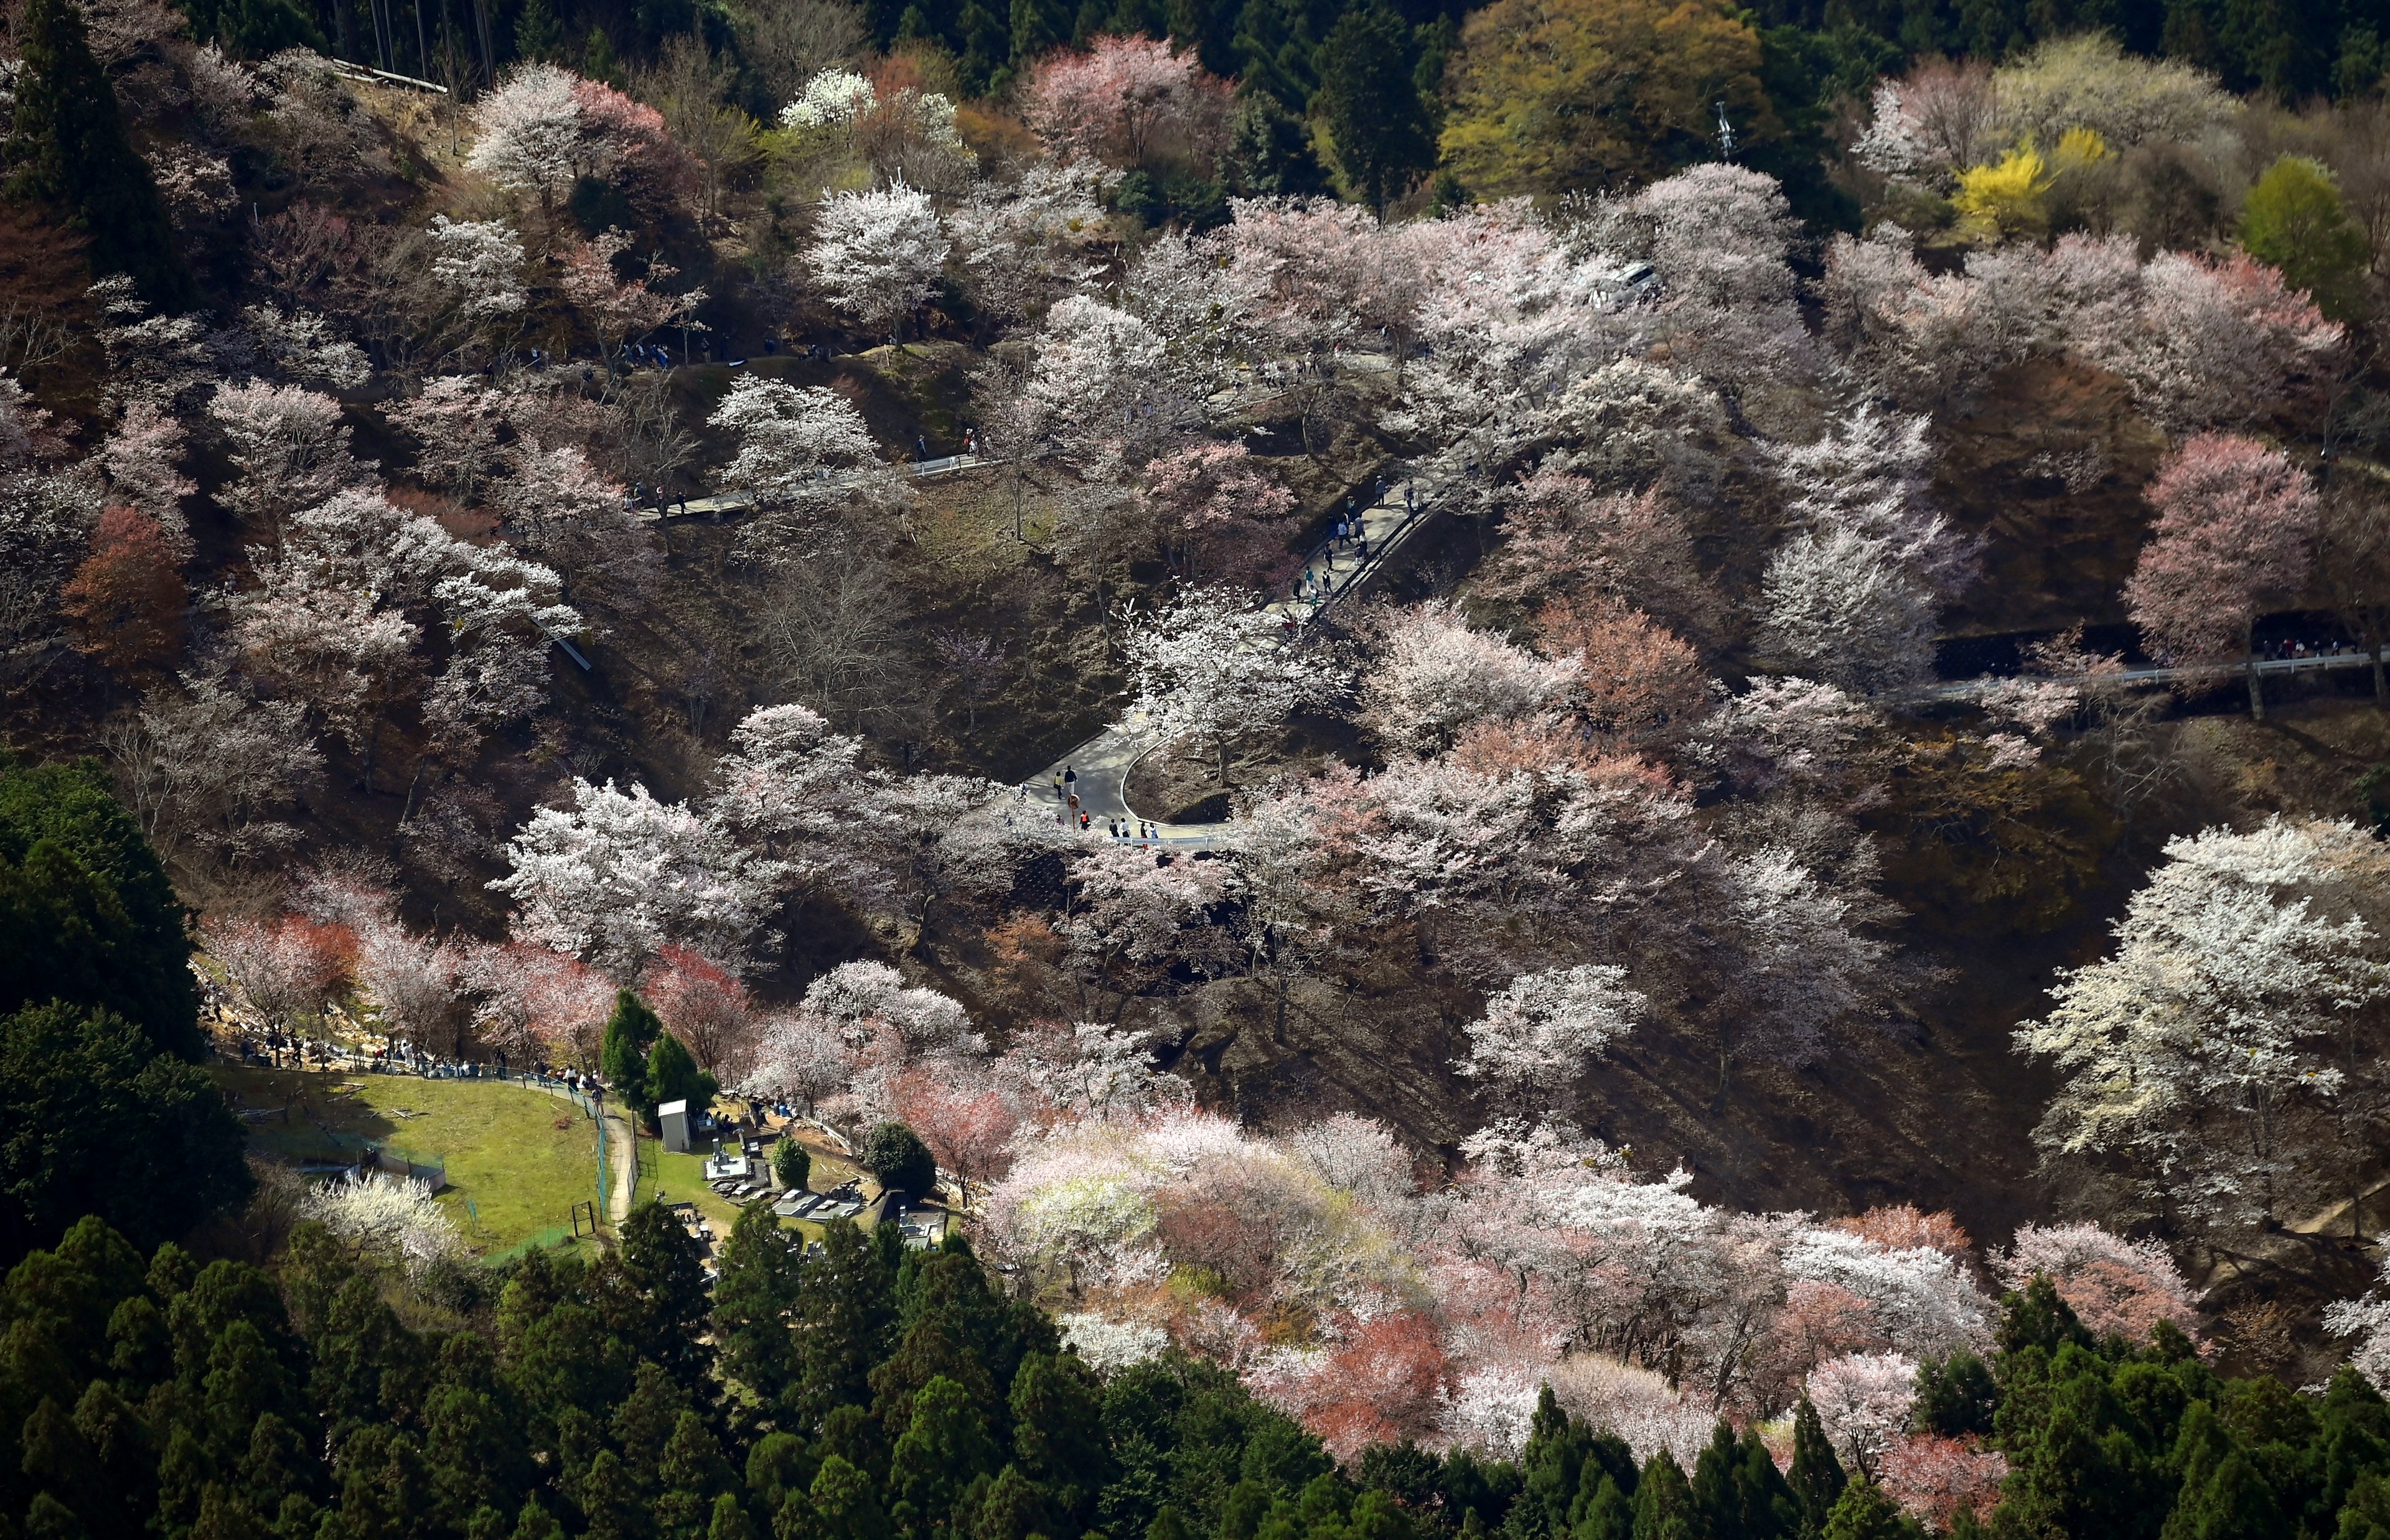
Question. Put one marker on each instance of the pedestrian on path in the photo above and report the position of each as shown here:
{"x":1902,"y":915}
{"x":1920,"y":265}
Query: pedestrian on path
{"x":1082,"y":823}
{"x":1058,"y":788}
{"x":1070,"y":779}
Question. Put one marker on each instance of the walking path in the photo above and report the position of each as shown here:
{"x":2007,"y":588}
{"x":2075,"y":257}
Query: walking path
{"x":1960,"y":689}
{"x":1098,"y":770}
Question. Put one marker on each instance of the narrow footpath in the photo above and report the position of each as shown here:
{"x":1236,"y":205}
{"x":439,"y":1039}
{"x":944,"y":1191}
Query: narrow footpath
{"x":1098,"y":770}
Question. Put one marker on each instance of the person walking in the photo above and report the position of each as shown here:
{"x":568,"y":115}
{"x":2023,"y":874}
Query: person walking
{"x":1070,"y":778}
{"x":1082,"y":823}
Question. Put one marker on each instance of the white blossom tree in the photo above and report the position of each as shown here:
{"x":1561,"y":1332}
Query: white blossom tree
{"x":1538,"y":1031}
{"x":1863,"y":1401}
{"x":807,"y":456}
{"x":621,"y":874}
{"x":877,"y":253}
{"x":1437,"y":676}
{"x":2193,"y":1051}
{"x":1211,"y":667}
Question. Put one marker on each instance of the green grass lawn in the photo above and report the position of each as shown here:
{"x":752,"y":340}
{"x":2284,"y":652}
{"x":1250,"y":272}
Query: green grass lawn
{"x":511,"y":1171}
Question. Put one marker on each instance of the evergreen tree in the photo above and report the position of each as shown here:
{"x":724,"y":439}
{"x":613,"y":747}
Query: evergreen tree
{"x":754,"y":1298}
{"x":100,"y":1122}
{"x":1956,"y":1396}
{"x":730,"y":1521}
{"x":845,"y":1315}
{"x":691,"y":1473}
{"x":665,"y":1272}
{"x":1057,"y":1432}
{"x":1604,"y":1513}
{"x":1663,"y":1502}
{"x":1372,"y":106}
{"x":844,"y":1504}
{"x":631,"y":1031}
{"x":87,"y":914}
{"x":1818,"y":1478}
{"x":2034,"y":1316}
{"x":943,"y":1450}
{"x":899,"y":1162}
{"x":538,"y":37}
{"x":673,"y":1075}
{"x":1863,"y":1512}
{"x":792,"y":1164}
{"x":68,"y":149}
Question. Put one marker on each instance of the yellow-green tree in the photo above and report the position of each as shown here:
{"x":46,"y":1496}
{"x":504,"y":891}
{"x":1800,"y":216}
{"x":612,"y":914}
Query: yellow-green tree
{"x":2294,"y":220}
{"x":1549,"y":96}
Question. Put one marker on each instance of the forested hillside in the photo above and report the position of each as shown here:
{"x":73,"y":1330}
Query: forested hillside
{"x":1584,"y":767}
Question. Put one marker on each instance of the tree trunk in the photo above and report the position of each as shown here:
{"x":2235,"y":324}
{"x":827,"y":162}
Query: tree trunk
{"x":2381,"y":681}
{"x":2256,"y":695}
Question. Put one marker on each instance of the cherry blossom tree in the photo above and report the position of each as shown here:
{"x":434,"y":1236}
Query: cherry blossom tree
{"x":1132,"y":918}
{"x":1436,"y":675}
{"x":1635,"y":682}
{"x":705,"y":1006}
{"x":1235,"y":519}
{"x":877,"y":253}
{"x":205,"y":767}
{"x":1846,"y":607}
{"x":621,"y":876}
{"x":2116,"y":1287}
{"x":1863,"y":1401}
{"x":1538,"y":1031}
{"x":2188,"y":1053}
{"x":806,"y":456}
{"x":968,"y":1127}
{"x":1931,"y":123}
{"x":833,"y":99}
{"x":529,"y":133}
{"x":2366,"y":1319}
{"x":417,"y":983}
{"x":1564,"y":540}
{"x":1122,"y":100}
{"x":801,"y":1058}
{"x":142,"y":457}
{"x":1089,"y":1069}
{"x":291,"y":447}
{"x":615,"y":308}
{"x":479,"y":265}
{"x":536,"y":1001}
{"x":563,"y":511}
{"x":1211,"y":667}
{"x":1934,"y":1478}
{"x":2236,"y":523}
{"x":1025,"y":243}
{"x":284,"y":972}
{"x":455,"y":422}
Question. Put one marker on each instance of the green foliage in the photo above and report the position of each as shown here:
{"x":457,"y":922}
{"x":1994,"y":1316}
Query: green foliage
{"x":1863,"y":1512}
{"x":1956,"y":1396}
{"x":252,"y":29}
{"x":673,"y":1075}
{"x":1817,"y":1478}
{"x":792,"y":1164}
{"x":94,"y":1120}
{"x":86,"y":913}
{"x":1369,"y":97}
{"x":631,"y":1033}
{"x":898,"y":1160}
{"x":2292,"y":218}
{"x":1551,"y":96}
{"x":754,"y":1302}
{"x":67,"y":148}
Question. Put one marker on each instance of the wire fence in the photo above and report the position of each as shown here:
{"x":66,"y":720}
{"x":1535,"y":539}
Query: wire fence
{"x":555,"y":1234}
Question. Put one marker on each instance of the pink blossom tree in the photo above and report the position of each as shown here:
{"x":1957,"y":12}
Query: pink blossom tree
{"x":1123,"y":99}
{"x":705,"y":1006}
{"x":2236,"y":522}
{"x":1863,"y":1401}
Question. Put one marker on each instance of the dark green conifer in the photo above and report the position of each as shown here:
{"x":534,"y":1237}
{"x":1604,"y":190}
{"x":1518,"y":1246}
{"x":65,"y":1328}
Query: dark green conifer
{"x":68,"y":149}
{"x":1816,"y":1479}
